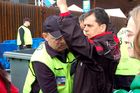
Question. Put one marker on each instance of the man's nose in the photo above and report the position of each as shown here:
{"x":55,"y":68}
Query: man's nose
{"x":126,"y":39}
{"x":85,"y":29}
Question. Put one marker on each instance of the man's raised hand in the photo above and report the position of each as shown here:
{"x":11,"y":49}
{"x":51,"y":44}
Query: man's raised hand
{"x":62,"y":5}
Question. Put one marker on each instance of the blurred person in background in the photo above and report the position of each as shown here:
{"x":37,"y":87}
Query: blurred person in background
{"x":127,"y":71}
{"x":5,"y":85}
{"x":24,"y":36}
{"x":135,"y":13}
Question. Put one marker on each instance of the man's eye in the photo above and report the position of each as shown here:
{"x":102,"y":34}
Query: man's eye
{"x":130,"y":35}
{"x":88,"y":25}
{"x":85,"y":25}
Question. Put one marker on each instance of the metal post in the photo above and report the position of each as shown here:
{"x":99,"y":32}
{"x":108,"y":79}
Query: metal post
{"x":35,"y":2}
{"x":42,"y":2}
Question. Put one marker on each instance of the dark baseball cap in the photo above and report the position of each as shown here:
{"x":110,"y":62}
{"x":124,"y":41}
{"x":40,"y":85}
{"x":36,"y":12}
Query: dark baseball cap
{"x":51,"y":26}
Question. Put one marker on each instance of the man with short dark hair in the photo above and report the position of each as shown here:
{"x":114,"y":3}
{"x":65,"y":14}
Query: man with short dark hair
{"x":98,"y":54}
{"x":81,"y":21}
{"x":24,"y":36}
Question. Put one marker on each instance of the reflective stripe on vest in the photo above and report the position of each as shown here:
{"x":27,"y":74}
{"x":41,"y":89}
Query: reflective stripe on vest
{"x":60,"y":70}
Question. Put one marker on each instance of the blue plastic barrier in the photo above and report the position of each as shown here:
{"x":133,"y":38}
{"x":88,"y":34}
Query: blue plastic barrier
{"x":36,"y":42}
{"x":10,"y":42}
{"x":5,"y":63}
{"x":6,"y":47}
{"x":3,"y":48}
{"x":11,"y":45}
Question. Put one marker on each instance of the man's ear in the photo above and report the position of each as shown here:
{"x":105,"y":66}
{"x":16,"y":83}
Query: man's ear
{"x":45,"y":36}
{"x":103,"y":27}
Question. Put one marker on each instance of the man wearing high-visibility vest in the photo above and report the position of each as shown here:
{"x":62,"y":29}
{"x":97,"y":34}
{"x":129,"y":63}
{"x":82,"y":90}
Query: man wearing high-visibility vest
{"x":24,"y":36}
{"x":51,"y":63}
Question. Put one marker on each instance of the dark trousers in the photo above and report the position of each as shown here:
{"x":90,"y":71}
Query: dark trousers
{"x":24,"y":47}
{"x":123,"y":81}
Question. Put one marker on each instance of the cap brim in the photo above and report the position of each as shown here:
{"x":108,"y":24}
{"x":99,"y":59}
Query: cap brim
{"x":56,"y":34}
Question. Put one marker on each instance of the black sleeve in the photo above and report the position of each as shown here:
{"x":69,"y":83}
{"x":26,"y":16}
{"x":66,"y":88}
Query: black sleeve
{"x":21,"y":34}
{"x":74,"y":36}
{"x":45,"y":78}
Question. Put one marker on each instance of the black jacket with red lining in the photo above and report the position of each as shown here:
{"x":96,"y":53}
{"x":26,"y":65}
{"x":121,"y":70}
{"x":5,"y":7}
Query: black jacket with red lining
{"x":97,"y":57}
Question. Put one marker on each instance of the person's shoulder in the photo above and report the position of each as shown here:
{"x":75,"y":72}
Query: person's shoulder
{"x":21,"y":28}
{"x":40,"y":50}
{"x":105,"y":36}
{"x":2,"y":86}
{"x":14,"y":89}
